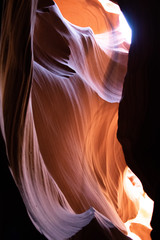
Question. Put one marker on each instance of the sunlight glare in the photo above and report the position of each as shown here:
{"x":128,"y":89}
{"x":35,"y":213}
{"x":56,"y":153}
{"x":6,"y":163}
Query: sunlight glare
{"x":124,"y":26}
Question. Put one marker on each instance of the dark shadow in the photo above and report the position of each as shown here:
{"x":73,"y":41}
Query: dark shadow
{"x":14,"y":221}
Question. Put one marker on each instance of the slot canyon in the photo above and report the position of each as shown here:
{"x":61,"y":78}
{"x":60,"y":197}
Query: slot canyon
{"x":79,"y":122}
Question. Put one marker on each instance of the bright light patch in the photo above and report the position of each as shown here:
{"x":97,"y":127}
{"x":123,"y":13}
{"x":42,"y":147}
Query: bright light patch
{"x":138,"y":228}
{"x":125,"y":28}
{"x":110,"y":6}
{"x":115,"y":9}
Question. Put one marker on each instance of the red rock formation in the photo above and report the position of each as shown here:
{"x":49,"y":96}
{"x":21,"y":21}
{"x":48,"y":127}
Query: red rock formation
{"x":60,"y":89}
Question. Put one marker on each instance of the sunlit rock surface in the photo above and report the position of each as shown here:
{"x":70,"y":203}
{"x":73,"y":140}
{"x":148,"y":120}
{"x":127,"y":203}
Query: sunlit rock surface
{"x":62,"y":73}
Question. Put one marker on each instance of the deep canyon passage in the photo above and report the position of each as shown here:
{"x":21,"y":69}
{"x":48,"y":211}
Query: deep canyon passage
{"x":79,"y":119}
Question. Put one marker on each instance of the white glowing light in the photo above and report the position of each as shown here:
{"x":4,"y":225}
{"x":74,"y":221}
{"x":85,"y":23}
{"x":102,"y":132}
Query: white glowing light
{"x":110,"y":6}
{"x":125,"y":28}
{"x":115,"y":9}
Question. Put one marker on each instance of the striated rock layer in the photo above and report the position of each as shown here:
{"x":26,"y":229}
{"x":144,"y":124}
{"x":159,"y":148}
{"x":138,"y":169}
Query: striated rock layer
{"x":60,"y":86}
